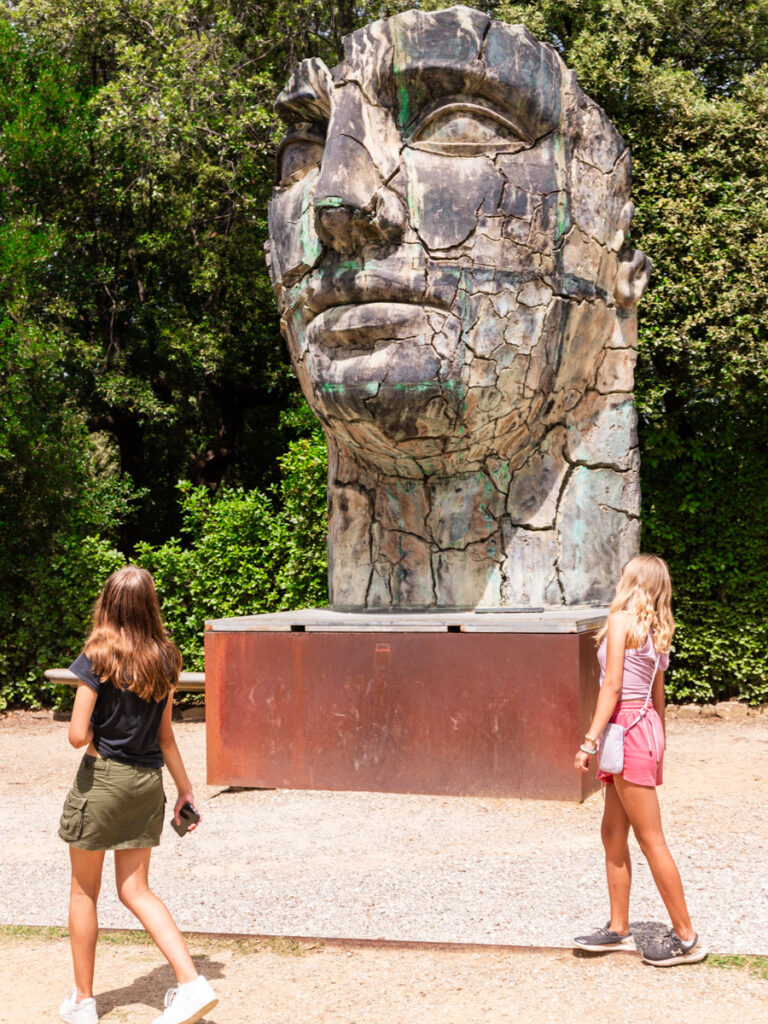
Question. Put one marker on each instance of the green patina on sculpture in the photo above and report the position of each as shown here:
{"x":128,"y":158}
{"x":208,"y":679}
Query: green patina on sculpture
{"x":448,"y":246}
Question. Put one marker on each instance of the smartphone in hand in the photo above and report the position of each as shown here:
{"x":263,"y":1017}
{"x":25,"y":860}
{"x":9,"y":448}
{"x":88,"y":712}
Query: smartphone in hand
{"x":187,"y":816}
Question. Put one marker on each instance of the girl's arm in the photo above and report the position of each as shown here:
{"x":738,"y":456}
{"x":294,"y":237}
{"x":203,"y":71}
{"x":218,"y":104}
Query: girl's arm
{"x":658,"y":697}
{"x":174,"y":763}
{"x":610,"y":691}
{"x":80,"y":731}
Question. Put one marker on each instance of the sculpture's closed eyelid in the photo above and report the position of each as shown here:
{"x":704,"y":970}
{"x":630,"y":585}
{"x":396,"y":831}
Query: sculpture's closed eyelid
{"x":465,"y":125}
{"x":300,"y":149}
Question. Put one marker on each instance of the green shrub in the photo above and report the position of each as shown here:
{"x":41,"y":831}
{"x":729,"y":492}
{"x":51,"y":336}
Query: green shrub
{"x":244,"y":552}
{"x":705,"y":509}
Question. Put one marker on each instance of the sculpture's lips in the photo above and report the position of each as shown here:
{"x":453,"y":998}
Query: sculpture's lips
{"x":341,"y":283}
{"x":362,"y":325}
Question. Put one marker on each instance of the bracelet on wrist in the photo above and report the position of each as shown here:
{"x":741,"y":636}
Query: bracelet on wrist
{"x":585,"y":750}
{"x":593,"y":739}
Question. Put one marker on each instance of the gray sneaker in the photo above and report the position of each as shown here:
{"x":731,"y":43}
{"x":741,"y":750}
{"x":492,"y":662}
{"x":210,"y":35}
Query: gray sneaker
{"x":671,"y":950}
{"x":603,"y":940}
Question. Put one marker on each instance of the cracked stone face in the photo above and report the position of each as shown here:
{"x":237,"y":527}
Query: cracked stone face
{"x":448,"y":247}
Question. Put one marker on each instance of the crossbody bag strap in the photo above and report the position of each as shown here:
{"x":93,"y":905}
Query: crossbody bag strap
{"x":650,"y":688}
{"x":644,"y":708}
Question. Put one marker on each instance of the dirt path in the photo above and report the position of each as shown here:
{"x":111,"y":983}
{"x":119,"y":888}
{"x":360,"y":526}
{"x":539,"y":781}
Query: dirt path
{"x":271,"y":983}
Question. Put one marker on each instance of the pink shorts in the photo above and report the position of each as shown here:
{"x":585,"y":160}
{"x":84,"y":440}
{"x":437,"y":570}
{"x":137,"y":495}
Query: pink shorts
{"x":640,"y":764}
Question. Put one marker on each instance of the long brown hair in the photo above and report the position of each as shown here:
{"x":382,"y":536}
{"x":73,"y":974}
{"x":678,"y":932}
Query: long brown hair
{"x":128,"y":645}
{"x":644,"y":591}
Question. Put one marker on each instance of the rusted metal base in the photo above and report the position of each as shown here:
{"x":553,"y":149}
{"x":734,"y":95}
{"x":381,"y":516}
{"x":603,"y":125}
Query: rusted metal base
{"x":460,"y":708}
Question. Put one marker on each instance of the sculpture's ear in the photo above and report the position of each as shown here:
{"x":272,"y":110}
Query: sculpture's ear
{"x":632,"y":277}
{"x":635,"y":267}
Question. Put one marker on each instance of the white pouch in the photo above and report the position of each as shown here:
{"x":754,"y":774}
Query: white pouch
{"x":611,"y":759}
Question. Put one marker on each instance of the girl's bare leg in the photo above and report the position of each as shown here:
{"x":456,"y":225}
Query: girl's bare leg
{"x":641,"y":804}
{"x":618,"y":865}
{"x":131,"y":876}
{"x":83,"y":918}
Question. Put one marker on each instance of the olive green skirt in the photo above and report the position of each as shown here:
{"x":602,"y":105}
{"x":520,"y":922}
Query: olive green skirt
{"x":113,"y":806}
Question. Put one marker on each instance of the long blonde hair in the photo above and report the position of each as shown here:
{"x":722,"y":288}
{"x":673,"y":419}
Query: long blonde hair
{"x":644,"y":591}
{"x":128,"y":645}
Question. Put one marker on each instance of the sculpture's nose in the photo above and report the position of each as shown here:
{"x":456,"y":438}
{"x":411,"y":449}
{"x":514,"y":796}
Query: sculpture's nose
{"x":335,"y":223}
{"x":352,"y":206}
{"x":347,"y":226}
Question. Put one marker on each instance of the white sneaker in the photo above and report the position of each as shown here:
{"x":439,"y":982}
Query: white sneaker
{"x":187,"y":1003}
{"x":84,"y":1012}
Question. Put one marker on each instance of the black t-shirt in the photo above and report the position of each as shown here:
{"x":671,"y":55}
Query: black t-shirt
{"x":125,"y":727}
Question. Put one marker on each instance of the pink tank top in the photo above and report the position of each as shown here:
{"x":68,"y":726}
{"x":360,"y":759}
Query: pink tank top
{"x":638,"y":667}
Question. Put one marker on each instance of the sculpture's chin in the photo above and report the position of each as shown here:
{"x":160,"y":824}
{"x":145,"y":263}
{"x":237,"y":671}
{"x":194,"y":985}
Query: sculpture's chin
{"x":423,"y":429}
{"x":383,"y":420}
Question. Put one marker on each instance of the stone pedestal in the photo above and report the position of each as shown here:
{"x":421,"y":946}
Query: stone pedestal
{"x":465,"y":704}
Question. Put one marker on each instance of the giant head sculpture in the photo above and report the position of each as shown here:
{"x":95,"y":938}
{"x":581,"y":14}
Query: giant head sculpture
{"x":448,"y":247}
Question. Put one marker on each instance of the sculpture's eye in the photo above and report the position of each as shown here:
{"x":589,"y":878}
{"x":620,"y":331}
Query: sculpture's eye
{"x":467,"y":128}
{"x":299,"y":152}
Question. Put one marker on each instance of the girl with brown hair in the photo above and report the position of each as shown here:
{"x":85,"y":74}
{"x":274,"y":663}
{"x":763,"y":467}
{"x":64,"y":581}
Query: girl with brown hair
{"x":122,"y":714}
{"x":633,"y":655}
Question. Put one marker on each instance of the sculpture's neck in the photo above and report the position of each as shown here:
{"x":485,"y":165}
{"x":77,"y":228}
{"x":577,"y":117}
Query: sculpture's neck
{"x":399,"y":543}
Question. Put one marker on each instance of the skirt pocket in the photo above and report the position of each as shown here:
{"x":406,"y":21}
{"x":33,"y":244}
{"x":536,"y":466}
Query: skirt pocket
{"x":71,"y":824}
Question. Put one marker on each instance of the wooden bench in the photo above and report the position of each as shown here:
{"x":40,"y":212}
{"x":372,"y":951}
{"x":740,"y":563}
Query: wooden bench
{"x":189,"y":682}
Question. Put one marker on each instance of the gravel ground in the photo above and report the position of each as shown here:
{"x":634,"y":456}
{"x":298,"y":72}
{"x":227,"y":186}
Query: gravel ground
{"x":371,"y":865}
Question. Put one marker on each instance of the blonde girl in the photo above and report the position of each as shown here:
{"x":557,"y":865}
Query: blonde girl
{"x":122,"y":715}
{"x":633,"y":654}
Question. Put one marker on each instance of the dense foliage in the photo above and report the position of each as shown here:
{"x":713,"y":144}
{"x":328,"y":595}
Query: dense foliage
{"x":139,"y":336}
